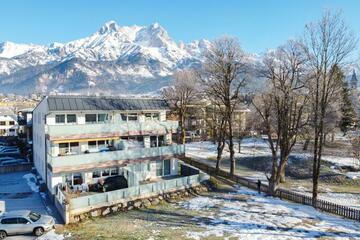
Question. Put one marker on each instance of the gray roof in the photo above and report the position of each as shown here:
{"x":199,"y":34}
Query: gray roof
{"x":78,"y":103}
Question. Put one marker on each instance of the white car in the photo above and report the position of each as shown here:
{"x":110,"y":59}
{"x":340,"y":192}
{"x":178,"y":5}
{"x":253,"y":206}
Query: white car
{"x":23,"y":222}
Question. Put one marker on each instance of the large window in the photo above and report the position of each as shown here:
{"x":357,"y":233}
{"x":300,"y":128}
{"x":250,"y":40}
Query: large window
{"x":11,"y":123}
{"x":152,"y":116}
{"x":2,"y":123}
{"x":60,"y":118}
{"x":69,"y":148}
{"x":90,"y":118}
{"x":102,"y":117}
{"x":129,"y":116}
{"x":166,"y":167}
{"x":71,"y":118}
{"x":106,"y":172}
{"x":159,"y":168}
{"x":96,"y":118}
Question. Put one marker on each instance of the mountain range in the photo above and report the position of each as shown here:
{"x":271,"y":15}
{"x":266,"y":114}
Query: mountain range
{"x":116,"y":60}
{"x":113,"y":60}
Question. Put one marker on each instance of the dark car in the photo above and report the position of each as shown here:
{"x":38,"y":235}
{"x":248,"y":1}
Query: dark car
{"x":113,"y":183}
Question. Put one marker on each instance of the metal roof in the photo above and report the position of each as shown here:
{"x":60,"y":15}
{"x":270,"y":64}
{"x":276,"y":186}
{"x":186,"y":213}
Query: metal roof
{"x":78,"y":103}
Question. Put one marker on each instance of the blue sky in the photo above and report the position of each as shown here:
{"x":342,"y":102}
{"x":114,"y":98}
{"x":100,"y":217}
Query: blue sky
{"x":259,"y":24}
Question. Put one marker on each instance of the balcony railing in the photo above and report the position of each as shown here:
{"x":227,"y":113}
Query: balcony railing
{"x":59,"y":132}
{"x":60,"y":163}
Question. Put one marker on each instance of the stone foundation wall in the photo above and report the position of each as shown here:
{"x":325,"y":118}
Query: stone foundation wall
{"x":140,"y":203}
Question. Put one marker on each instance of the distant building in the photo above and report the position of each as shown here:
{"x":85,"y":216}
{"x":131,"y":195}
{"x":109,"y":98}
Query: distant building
{"x":201,"y":116}
{"x":24,"y":119}
{"x":8,"y":122}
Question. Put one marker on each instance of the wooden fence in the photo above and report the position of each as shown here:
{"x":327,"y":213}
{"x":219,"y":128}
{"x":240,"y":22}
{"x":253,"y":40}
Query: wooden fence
{"x":326,"y":206}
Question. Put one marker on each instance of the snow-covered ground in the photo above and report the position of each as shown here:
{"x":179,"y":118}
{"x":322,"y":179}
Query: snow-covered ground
{"x":203,"y":151}
{"x":249,"y":147}
{"x":246,"y":214}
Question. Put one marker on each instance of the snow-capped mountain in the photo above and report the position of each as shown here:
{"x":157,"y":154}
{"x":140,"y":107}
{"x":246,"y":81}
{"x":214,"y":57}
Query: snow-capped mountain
{"x":128,"y":59}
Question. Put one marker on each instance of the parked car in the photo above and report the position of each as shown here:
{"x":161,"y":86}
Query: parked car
{"x":12,"y":162}
{"x":2,"y":159}
{"x":7,"y":147}
{"x":113,"y":183}
{"x":15,"y":150}
{"x":23,"y":222}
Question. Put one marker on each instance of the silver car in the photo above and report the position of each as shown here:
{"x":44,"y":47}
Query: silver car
{"x":23,"y":222}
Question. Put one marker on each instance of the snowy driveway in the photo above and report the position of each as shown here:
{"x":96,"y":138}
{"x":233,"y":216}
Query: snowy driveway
{"x":19,"y":191}
{"x":246,"y":214}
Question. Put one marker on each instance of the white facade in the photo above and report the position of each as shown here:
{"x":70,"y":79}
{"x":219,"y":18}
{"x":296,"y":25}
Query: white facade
{"x":89,"y":163}
{"x":8,"y":125}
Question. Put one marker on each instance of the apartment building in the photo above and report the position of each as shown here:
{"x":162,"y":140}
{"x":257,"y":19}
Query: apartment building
{"x":81,"y":139}
{"x":8,"y":123}
{"x":201,"y":118}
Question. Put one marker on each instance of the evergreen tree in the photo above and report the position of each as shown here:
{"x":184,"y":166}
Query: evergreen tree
{"x":348,"y":115}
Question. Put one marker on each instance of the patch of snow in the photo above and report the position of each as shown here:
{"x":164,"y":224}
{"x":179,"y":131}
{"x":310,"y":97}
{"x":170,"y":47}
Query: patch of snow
{"x":52,"y":235}
{"x":31,"y":182}
{"x":249,"y":215}
{"x":353,"y":175}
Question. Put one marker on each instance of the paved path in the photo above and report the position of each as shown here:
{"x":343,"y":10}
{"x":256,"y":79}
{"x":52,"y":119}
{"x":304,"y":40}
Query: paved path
{"x":20,"y":193}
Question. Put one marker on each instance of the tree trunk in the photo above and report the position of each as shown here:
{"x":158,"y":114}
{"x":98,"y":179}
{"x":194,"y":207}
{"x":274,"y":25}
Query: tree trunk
{"x":306,"y":144}
{"x":220,"y":149}
{"x":231,"y":149}
{"x":182,"y":126}
{"x":282,"y":176}
{"x":240,"y":144}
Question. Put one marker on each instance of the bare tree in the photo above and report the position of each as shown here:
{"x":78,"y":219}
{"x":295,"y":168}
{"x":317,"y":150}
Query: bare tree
{"x":282,"y":107}
{"x":355,"y":143}
{"x":327,"y":43}
{"x":222,"y":77}
{"x":180,"y":95}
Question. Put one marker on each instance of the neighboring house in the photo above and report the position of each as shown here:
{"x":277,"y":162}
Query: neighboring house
{"x":201,"y":117}
{"x":8,"y":123}
{"x":24,"y":119}
{"x":81,"y":140}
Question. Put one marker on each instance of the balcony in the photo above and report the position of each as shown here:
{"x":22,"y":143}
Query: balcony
{"x":90,"y":161}
{"x":79,"y":131}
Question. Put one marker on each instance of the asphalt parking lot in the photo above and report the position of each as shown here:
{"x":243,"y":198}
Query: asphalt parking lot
{"x":20,"y":192}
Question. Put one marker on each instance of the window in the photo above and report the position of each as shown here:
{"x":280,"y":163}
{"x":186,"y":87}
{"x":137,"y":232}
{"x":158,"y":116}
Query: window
{"x":90,"y":118}
{"x":92,"y":144}
{"x":148,"y":116}
{"x":34,"y":216}
{"x":96,"y":174}
{"x":166,"y":167}
{"x":132,"y":117}
{"x":11,"y":130}
{"x":9,"y":221}
{"x":102,"y":117}
{"x":156,"y":116}
{"x":23,"y":221}
{"x":94,"y":118}
{"x":106,"y":173}
{"x":11,"y":123}
{"x":2,"y":123}
{"x":60,"y":118}
{"x":74,"y":147}
{"x":159,"y":169}
{"x":123,"y":117}
{"x":101,"y":144}
{"x":114,"y":171}
{"x":129,"y":116}
{"x":71,"y":118}
{"x":63,"y":148}
{"x":152,"y":116}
